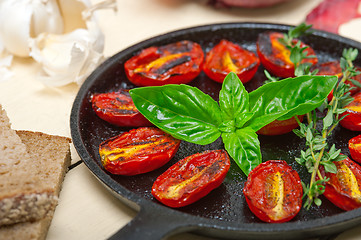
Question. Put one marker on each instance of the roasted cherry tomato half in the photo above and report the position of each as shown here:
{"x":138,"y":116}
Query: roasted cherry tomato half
{"x":118,"y":108}
{"x":138,"y":151}
{"x":334,"y":68}
{"x":273,"y":191}
{"x":174,"y":63}
{"x":278,"y":127}
{"x":228,"y":57}
{"x":191,"y":178}
{"x":354,"y":145}
{"x":275,"y":56}
{"x":343,"y":188}
{"x":352,"y":119}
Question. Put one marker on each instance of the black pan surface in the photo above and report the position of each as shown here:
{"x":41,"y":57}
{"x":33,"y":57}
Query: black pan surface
{"x":224,"y":212}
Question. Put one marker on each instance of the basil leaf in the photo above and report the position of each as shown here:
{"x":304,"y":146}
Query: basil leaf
{"x":242,"y":118}
{"x":286,"y":98}
{"x":244,"y":147}
{"x":183,"y":111}
{"x":233,"y":97}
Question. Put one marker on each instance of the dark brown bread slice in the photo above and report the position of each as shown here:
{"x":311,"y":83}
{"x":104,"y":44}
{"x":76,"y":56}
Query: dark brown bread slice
{"x":51,"y":158}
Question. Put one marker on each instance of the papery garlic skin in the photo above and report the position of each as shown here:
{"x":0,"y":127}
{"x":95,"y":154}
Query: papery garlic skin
{"x":21,"y":20}
{"x":61,"y":35}
{"x":68,"y":57}
{"x":72,"y":56}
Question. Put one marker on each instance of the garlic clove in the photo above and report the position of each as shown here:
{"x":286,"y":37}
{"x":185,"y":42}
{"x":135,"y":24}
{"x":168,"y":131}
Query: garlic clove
{"x":15,"y":26}
{"x":46,"y":17}
{"x":69,"y":57}
{"x":62,"y":35}
{"x":22,"y":19}
{"x":72,"y":56}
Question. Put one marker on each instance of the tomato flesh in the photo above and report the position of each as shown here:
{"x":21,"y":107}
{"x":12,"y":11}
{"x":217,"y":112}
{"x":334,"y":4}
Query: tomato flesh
{"x":352,"y":119}
{"x":174,"y":63}
{"x":191,"y":178}
{"x":275,"y":56}
{"x":278,"y":127}
{"x":228,"y":57}
{"x":273,"y":191}
{"x":138,"y":151}
{"x":354,"y":146}
{"x":118,"y":108}
{"x":343,"y":188}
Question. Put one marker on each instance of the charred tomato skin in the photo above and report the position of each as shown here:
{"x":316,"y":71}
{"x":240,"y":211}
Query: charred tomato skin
{"x":352,"y":119}
{"x":137,"y":151}
{"x":275,"y":57}
{"x":343,"y":188}
{"x":273,"y":191}
{"x":228,"y":57}
{"x":354,"y":146}
{"x":118,"y":109}
{"x":278,"y":127}
{"x":191,"y":178}
{"x":175,"y":63}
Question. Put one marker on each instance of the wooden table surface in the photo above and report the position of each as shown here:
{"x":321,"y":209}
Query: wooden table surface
{"x":86,"y":209}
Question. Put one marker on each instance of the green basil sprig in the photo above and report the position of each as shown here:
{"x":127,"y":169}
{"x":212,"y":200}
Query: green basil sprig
{"x":188,"y":114}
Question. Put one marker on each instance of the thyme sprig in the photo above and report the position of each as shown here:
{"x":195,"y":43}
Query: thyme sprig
{"x":294,"y":33}
{"x":317,"y":130}
{"x":318,"y":152}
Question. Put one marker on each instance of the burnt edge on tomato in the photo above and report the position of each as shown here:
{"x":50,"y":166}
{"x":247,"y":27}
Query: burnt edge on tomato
{"x":191,"y":178}
{"x":174,"y":63}
{"x":277,"y":61}
{"x":137,"y":151}
{"x":117,"y":108}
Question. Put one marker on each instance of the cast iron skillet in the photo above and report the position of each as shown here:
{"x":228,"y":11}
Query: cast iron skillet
{"x":224,"y":212}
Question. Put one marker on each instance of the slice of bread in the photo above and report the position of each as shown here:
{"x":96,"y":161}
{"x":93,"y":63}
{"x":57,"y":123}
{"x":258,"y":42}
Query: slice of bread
{"x":32,"y":169}
{"x":23,"y":195}
{"x":51,"y":156}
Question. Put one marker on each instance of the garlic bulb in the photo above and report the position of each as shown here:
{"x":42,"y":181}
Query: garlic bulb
{"x":61,"y":35}
{"x":22,"y":19}
{"x":69,"y":57}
